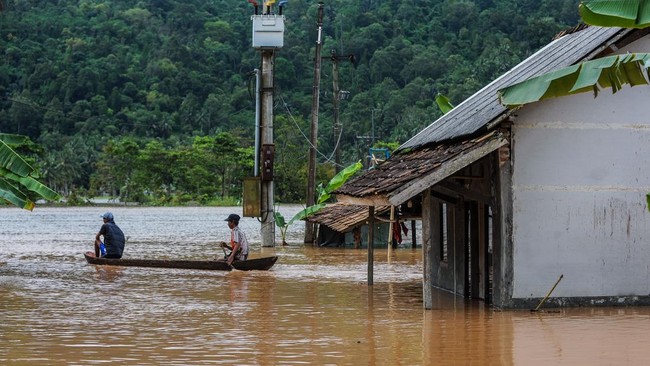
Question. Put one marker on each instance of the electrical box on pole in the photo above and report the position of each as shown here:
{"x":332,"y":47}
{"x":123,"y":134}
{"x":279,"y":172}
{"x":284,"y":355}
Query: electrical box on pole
{"x":252,"y":197}
{"x":268,"y":31}
{"x":268,"y":28}
{"x":268,"y":154}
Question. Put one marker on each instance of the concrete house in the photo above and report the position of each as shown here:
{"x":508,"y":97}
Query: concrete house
{"x":512,"y":201}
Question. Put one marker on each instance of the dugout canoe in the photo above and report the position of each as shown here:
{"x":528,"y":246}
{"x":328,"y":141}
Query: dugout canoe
{"x":260,"y":264}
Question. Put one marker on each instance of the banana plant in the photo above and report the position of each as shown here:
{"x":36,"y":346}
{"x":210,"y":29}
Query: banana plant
{"x":616,"y":13}
{"x":16,"y":175}
{"x":324,"y":193}
{"x":606,"y":72}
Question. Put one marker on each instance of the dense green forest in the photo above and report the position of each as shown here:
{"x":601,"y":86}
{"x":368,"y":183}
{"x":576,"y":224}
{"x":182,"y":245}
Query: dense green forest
{"x":152,"y":101}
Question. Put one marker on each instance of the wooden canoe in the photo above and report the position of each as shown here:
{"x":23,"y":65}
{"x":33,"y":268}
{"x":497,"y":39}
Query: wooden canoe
{"x":261,"y":264}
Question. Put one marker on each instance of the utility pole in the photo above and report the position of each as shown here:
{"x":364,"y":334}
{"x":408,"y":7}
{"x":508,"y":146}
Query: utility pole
{"x":338,"y":96}
{"x":268,"y":36}
{"x":313,"y":138}
{"x":337,"y":124}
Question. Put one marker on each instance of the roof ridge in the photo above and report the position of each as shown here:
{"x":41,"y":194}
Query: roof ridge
{"x":571,"y":30}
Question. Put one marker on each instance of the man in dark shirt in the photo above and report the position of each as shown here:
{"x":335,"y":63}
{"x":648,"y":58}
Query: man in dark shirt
{"x":113,"y":238}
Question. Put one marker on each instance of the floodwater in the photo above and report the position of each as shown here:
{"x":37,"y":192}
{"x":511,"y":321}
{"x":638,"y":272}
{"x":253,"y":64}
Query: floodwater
{"x":313,"y":307}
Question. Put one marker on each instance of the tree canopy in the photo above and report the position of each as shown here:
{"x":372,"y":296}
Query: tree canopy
{"x":108,"y":88}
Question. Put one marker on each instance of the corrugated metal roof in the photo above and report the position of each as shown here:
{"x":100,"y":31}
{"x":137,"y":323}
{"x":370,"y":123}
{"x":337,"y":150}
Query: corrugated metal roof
{"x":479,"y":110}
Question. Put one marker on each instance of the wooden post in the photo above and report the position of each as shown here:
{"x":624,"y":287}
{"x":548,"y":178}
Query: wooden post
{"x":430,"y":231}
{"x":371,"y":239}
{"x":414,"y":243}
{"x":313,"y":137}
{"x":389,"y":249}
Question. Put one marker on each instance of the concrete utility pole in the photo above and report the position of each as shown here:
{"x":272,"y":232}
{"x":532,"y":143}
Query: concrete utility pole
{"x":268,"y":150}
{"x":268,"y":36}
{"x":313,"y":138}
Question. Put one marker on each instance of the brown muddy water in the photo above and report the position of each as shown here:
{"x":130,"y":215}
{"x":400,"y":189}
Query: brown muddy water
{"x":313,"y":307}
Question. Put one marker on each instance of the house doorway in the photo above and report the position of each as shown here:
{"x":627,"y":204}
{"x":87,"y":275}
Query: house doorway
{"x":478,"y":250}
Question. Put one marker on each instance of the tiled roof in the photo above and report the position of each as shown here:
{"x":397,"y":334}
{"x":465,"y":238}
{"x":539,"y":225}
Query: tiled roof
{"x":343,"y":218}
{"x":405,"y":175}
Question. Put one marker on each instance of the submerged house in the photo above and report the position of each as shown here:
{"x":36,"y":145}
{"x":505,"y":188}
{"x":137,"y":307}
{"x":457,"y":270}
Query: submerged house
{"x":513,"y":200}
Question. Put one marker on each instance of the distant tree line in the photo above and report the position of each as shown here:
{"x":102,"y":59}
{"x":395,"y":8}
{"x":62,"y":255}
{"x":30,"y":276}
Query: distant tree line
{"x":105,"y":88}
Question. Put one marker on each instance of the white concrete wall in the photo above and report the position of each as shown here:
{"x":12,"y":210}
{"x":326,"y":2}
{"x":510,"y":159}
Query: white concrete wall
{"x":580,"y":175}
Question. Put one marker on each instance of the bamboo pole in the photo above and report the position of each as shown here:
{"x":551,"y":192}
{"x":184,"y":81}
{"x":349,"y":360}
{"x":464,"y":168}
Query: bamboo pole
{"x":548,"y":294}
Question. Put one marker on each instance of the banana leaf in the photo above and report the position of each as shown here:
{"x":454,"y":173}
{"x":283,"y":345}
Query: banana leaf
{"x":12,"y":195}
{"x":607,"y":72}
{"x":308,"y":211}
{"x":616,"y":13}
{"x":30,"y":184}
{"x":11,"y":161}
{"x":324,"y":194}
{"x":16,"y":175}
{"x":338,"y":180}
{"x":279,"y":219}
{"x":14,"y":140}
{"x":443,"y":103}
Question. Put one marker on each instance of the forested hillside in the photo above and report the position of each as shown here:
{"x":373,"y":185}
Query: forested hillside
{"x":152,"y":100}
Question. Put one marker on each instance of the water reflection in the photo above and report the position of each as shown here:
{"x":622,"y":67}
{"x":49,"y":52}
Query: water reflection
{"x":107,"y":273}
{"x":313,"y":307}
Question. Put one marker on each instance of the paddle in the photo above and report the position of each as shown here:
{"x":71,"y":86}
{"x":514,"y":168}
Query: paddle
{"x":225,"y":246}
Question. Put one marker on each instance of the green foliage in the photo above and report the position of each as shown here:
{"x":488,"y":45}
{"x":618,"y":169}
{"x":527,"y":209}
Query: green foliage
{"x":323,"y":196}
{"x":338,"y":180}
{"x":443,"y":103}
{"x":391,"y":146}
{"x":205,"y":171}
{"x":606,"y":72}
{"x":608,"y":13}
{"x":18,"y":185}
{"x":99,"y":80}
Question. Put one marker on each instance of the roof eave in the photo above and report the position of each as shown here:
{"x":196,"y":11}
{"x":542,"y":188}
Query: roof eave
{"x":374,"y":200}
{"x":493,"y":141}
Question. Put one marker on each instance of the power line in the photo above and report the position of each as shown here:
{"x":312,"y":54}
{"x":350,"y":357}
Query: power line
{"x":291,"y":117}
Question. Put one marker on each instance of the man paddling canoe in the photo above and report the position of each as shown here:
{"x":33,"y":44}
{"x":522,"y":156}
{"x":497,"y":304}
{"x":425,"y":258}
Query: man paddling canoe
{"x":238,"y":244}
